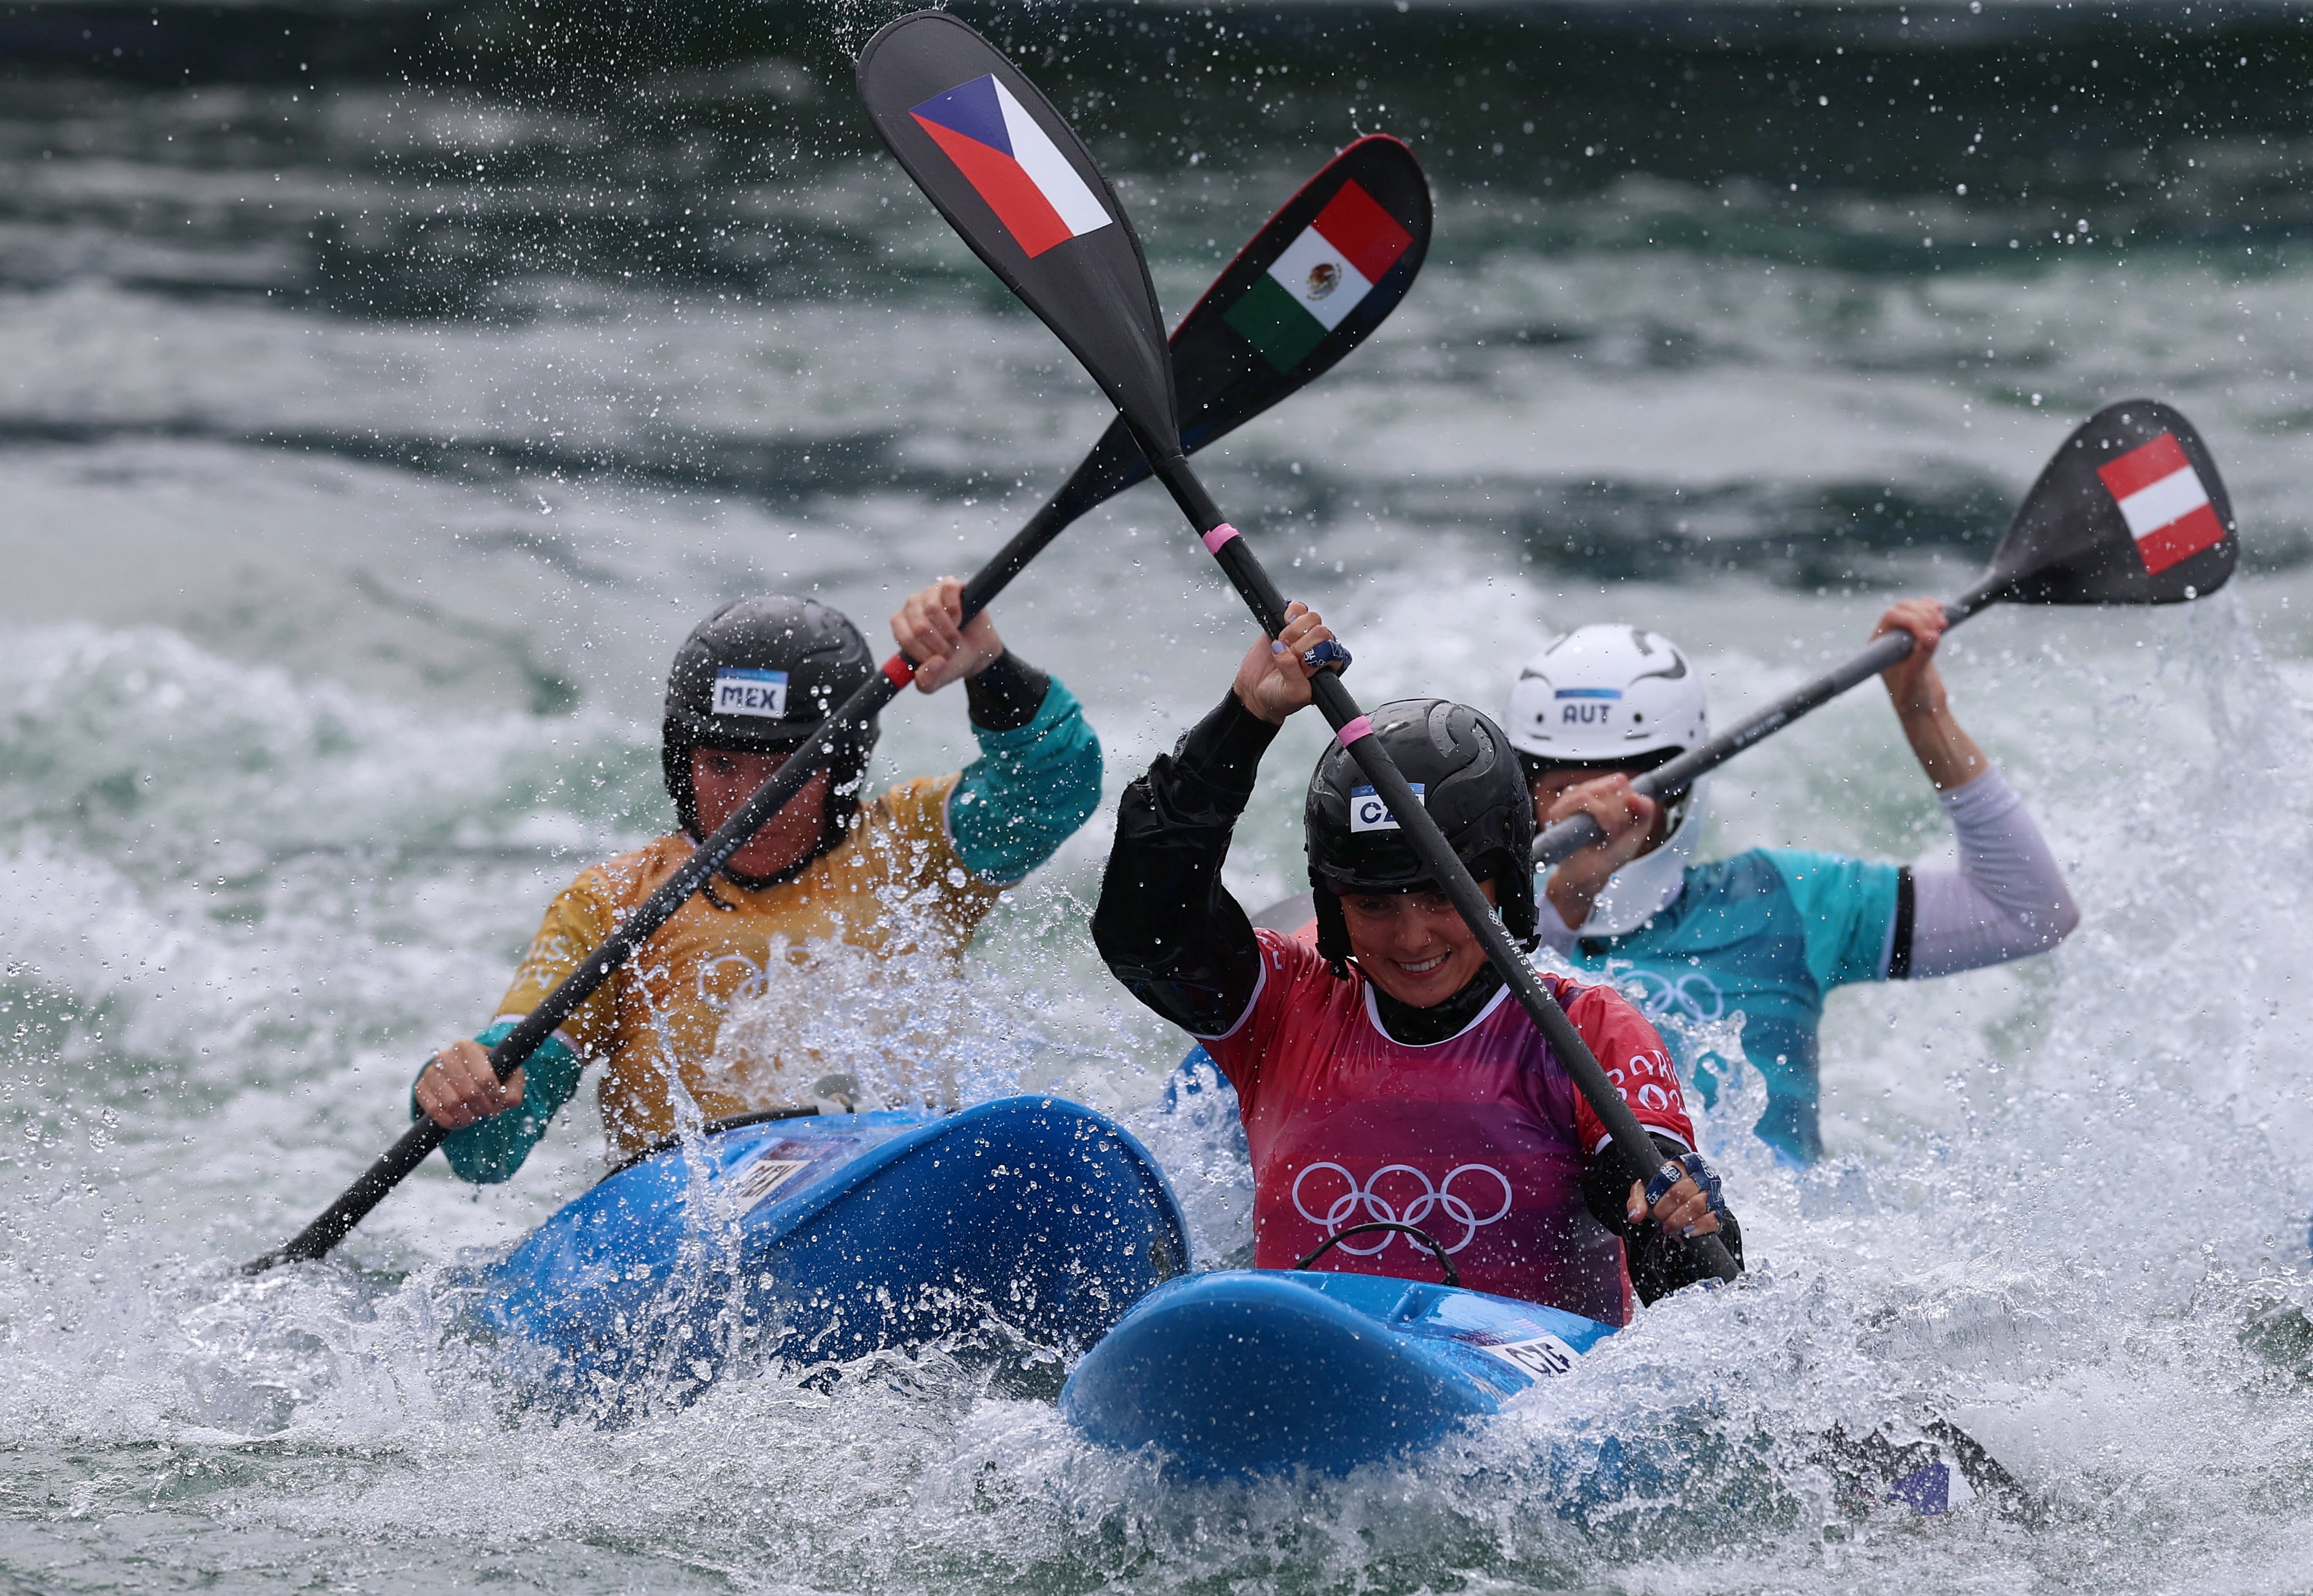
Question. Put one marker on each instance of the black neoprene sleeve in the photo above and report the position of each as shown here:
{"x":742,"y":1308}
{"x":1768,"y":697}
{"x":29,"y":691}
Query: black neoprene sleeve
{"x":1006,"y":694}
{"x":1166,"y":926}
{"x":1659,"y":1264}
{"x":1899,"y":944}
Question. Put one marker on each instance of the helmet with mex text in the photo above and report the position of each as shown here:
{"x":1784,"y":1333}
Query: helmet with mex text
{"x":1467,"y":774}
{"x":759,"y":676}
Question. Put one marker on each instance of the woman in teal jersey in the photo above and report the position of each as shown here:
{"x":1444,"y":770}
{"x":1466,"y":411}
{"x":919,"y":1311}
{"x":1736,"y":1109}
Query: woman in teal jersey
{"x":1771,"y":932}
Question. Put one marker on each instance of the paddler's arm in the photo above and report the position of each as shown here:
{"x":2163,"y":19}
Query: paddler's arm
{"x":1662,"y":1260}
{"x":1942,"y":746}
{"x":2008,"y":899}
{"x":493,"y":1127}
{"x":1657,"y":1242}
{"x":1166,"y":926}
{"x":1037,"y":778}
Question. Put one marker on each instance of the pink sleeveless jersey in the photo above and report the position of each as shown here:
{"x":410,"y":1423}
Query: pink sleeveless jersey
{"x":1480,"y":1140}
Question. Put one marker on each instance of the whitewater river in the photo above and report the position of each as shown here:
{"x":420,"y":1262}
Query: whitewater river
{"x":381,"y":403}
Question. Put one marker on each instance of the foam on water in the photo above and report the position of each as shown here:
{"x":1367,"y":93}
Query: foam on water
{"x":2039,"y":1218}
{"x":350,"y":520}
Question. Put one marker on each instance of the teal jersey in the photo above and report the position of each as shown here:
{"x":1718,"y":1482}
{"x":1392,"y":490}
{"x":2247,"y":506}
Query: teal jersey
{"x":1767,"y":934}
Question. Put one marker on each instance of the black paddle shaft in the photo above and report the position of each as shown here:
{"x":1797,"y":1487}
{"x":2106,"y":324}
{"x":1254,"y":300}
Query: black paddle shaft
{"x":515,"y":1049}
{"x":1222,"y":384}
{"x":1251,"y":579}
{"x":1570,"y":836}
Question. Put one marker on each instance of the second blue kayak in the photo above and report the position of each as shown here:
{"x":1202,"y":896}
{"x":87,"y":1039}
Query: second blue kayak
{"x":1250,"y":1371}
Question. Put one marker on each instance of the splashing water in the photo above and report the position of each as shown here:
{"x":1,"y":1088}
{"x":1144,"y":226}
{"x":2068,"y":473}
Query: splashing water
{"x":371,"y":443}
{"x":867,"y":1031}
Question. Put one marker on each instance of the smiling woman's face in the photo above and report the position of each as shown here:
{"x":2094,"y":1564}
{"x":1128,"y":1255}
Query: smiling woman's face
{"x":1413,"y":945}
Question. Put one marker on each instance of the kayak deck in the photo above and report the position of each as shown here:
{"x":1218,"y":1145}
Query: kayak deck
{"x":829,"y":1237}
{"x":1247,"y":1371}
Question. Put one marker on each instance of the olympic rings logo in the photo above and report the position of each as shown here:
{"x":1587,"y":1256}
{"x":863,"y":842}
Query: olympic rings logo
{"x":1692,"y":997}
{"x":1360,"y":1204}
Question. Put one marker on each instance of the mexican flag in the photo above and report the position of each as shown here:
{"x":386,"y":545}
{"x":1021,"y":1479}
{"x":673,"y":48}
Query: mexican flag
{"x":1320,"y":278}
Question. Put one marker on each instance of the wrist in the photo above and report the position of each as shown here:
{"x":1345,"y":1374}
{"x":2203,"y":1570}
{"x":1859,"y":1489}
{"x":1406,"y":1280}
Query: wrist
{"x":991,"y":651}
{"x":1256,"y":709}
{"x":1226,"y":747}
{"x":1571,"y":900}
{"x":1005,"y":693}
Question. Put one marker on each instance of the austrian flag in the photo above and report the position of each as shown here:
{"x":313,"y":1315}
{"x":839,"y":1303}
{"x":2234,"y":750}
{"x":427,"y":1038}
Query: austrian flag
{"x":1311,"y":288}
{"x":2161,"y":497}
{"x":1012,"y":163}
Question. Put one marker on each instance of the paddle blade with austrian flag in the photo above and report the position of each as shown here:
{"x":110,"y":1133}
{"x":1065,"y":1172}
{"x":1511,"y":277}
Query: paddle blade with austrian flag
{"x":2131,"y":511}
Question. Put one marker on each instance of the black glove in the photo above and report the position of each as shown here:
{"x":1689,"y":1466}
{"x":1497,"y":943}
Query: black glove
{"x":1659,"y":1264}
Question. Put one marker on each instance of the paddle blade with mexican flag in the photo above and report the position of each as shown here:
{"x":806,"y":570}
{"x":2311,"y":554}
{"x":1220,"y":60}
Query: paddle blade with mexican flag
{"x":1001,"y":165}
{"x":2131,"y":511}
{"x":1352,"y":240}
{"x":1228,"y":362}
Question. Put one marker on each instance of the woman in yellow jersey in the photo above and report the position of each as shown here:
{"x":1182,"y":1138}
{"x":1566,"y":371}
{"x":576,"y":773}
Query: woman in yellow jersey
{"x":908,"y":873}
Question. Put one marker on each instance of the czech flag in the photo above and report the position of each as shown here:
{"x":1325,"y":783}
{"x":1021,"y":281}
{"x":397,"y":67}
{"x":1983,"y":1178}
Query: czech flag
{"x":1321,"y":277}
{"x":2164,"y":503}
{"x":1012,"y":164}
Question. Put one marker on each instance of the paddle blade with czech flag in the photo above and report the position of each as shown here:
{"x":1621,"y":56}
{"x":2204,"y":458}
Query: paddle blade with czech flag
{"x":2131,"y":511}
{"x":1011,"y":177}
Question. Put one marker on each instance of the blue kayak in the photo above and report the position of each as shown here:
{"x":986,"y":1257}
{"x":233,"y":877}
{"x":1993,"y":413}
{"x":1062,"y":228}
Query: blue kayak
{"x":1248,"y":1372}
{"x":828,"y":1237}
{"x":1244,"y":1374}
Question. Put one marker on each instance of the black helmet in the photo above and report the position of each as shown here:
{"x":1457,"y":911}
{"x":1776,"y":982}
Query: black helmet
{"x":1467,"y":774}
{"x":759,"y":676}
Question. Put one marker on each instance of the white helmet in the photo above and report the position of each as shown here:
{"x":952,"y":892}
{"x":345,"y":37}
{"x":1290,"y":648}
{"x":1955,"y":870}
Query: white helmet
{"x":1606,"y":695}
{"x":1611,"y":695}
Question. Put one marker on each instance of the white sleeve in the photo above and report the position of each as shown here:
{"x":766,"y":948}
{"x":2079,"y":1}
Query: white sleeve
{"x":1551,"y":930}
{"x":2006,"y":900}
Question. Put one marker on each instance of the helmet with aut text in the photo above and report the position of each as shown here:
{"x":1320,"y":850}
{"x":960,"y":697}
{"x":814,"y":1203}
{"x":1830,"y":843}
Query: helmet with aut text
{"x":1618,"y":698}
{"x":1608,"y":695}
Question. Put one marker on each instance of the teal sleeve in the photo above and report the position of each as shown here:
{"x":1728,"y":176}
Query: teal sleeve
{"x":492,"y":1150}
{"x":1028,"y":792}
{"x":1846,"y":905}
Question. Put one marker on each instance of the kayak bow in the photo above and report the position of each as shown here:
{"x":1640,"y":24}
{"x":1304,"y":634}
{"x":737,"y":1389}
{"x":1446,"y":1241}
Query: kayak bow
{"x":829,"y":1237}
{"x":1253,"y":1372}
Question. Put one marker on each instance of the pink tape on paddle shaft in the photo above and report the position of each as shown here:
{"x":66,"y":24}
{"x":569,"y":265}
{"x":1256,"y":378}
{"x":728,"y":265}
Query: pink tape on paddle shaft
{"x":1360,"y":727}
{"x":898,"y":671}
{"x":1218,"y":535}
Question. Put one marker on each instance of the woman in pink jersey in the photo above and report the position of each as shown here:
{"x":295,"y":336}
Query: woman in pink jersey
{"x":1385,"y":1072}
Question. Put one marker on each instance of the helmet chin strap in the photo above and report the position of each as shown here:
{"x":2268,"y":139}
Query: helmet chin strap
{"x":1645,"y":886}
